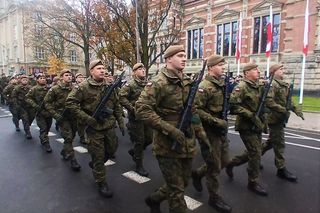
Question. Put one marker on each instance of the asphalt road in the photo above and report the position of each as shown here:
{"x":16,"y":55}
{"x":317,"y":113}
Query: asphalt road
{"x":33,"y":181}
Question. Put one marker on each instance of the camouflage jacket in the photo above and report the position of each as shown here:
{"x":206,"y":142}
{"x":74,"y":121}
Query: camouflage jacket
{"x":244,"y":102}
{"x":7,"y":92}
{"x":55,"y":99}
{"x":162,"y":102}
{"x":35,"y":98}
{"x":130,"y":93}
{"x":19,"y":95}
{"x":209,"y":100}
{"x":277,"y":102}
{"x":84,"y":99}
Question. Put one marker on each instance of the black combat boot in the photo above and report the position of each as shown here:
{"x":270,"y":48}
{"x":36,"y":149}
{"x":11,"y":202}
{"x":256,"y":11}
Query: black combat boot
{"x":229,"y":171}
{"x":196,"y":181}
{"x":28,"y":134}
{"x":285,"y":174}
{"x":153,"y":205}
{"x":74,"y":164}
{"x":104,"y":190}
{"x":219,"y":204}
{"x":131,"y":153}
{"x":65,"y":156}
{"x":257,"y":188}
{"x":83,"y":141}
{"x":47,"y":147}
{"x":140,"y":169}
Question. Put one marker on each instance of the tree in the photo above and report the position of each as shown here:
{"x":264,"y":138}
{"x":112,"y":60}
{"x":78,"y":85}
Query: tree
{"x":55,"y":65}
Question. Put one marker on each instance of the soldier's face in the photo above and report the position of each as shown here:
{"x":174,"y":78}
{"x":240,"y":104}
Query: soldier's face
{"x":279,"y":73}
{"x":67,"y":77}
{"x":177,"y":61}
{"x":24,"y":81}
{"x":217,"y":70}
{"x":79,"y":79}
{"x":140,"y":73}
{"x":98,"y":72}
{"x":42,"y":80}
{"x":253,"y":74}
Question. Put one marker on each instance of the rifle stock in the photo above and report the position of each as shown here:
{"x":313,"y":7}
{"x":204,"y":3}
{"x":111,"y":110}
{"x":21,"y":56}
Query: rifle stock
{"x":289,"y":100}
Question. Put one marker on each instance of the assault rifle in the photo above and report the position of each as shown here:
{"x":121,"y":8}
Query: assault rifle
{"x":186,"y":115}
{"x":289,"y":100}
{"x":225,"y":106}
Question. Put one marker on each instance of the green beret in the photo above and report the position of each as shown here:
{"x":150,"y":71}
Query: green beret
{"x":137,"y":66}
{"x":249,"y":66}
{"x":23,"y":76}
{"x":172,"y":50}
{"x":64,"y":71}
{"x":214,"y":60}
{"x":95,"y":63}
{"x":79,"y":74}
{"x":40,"y":75}
{"x":275,"y":67}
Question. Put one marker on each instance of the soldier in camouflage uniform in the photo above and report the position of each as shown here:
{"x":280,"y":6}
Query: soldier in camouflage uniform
{"x":3,"y":83}
{"x":19,"y":98}
{"x":209,"y":102}
{"x":7,"y":92}
{"x":140,"y":134}
{"x":159,"y":106}
{"x":55,"y":104}
{"x":244,"y":102}
{"x":81,"y":126}
{"x":35,"y":98}
{"x":82,"y":102}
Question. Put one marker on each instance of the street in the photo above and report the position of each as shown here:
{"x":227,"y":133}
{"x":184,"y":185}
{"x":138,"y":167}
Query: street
{"x":33,"y":181}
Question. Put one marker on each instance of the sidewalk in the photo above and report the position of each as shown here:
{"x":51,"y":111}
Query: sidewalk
{"x":311,"y":121}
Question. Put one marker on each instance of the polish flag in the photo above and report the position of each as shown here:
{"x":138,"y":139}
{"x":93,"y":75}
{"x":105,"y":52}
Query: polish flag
{"x":306,"y":30}
{"x":238,"y":52}
{"x":269,"y":33}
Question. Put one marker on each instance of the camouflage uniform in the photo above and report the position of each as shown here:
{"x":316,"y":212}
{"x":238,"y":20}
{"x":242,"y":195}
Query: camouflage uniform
{"x":209,"y":104}
{"x":82,"y":102}
{"x":159,"y":105}
{"x":3,"y":84}
{"x":244,"y":102}
{"x":140,"y":134}
{"x":55,"y":104}
{"x":7,"y":92}
{"x":35,"y":98}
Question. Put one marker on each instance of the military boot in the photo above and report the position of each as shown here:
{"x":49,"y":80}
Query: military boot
{"x":153,"y":205}
{"x":74,"y":164}
{"x":257,"y":188}
{"x":218,"y":203}
{"x":285,"y":174}
{"x":83,"y":141}
{"x":229,"y":170}
{"x":196,"y":181}
{"x":140,"y":169}
{"x":131,"y":153}
{"x":47,"y":147}
{"x":65,"y":156}
{"x":28,"y":134}
{"x":104,"y":190}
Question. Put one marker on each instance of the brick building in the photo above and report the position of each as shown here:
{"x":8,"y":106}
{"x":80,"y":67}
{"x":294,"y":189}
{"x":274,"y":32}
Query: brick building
{"x":210,"y":27}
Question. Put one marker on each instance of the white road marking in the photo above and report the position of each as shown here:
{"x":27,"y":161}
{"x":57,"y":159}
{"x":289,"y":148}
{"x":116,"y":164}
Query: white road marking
{"x":192,"y":204}
{"x":5,"y":116}
{"x":109,"y":163}
{"x":60,"y":140}
{"x":37,"y":128}
{"x":80,"y":149}
{"x":304,"y":137}
{"x":136,"y":177}
{"x":304,"y":146}
{"x":6,"y":111}
{"x":51,"y":134}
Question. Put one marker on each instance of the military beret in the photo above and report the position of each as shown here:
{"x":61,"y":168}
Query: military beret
{"x":275,"y":67}
{"x":64,"y":71}
{"x":214,"y":60}
{"x":249,"y":66}
{"x":172,"y":50}
{"x":137,"y":66}
{"x":95,"y":63}
{"x":23,"y":76}
{"x":78,"y":74}
{"x":40,"y":75}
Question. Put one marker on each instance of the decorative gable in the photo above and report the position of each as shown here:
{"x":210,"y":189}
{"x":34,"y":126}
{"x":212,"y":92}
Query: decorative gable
{"x":195,"y":21}
{"x":227,"y":13}
{"x":265,"y":5}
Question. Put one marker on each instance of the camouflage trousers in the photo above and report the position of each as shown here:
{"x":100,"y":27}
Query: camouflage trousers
{"x":68,"y":131}
{"x":176,"y":173}
{"x":141,"y":135}
{"x":15,"y":118}
{"x":44,"y":123}
{"x":214,"y":161}
{"x":252,"y":142}
{"x":23,"y":114}
{"x":101,"y":145}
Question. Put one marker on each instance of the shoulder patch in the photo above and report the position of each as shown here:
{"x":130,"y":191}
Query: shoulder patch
{"x":149,"y":84}
{"x":237,"y":89}
{"x":127,"y":84}
{"x":201,"y":90}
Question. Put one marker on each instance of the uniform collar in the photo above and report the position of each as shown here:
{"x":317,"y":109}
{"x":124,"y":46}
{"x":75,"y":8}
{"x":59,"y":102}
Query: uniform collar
{"x":93,"y":82}
{"x":214,"y":80}
{"x":170,"y":74}
{"x":251,"y":83}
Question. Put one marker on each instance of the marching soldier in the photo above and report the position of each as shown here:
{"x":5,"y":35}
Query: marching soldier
{"x":140,"y":134}
{"x":80,"y":126}
{"x":82,"y":102}
{"x":55,"y":104}
{"x":209,"y":101}
{"x":35,"y":98}
{"x":7,"y":92}
{"x":244,"y":102}
{"x":159,"y":106}
{"x":19,"y":98}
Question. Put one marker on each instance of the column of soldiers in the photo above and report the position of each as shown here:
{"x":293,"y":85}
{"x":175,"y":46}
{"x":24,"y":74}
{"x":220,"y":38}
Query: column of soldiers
{"x":154,"y":110}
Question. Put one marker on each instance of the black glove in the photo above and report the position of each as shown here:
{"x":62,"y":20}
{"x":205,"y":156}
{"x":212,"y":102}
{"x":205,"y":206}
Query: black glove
{"x":257,"y":122}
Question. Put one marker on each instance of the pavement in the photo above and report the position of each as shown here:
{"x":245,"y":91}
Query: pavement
{"x":311,"y":122}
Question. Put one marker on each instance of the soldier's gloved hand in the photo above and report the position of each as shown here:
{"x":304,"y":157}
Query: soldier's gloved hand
{"x":121,"y":127}
{"x":257,"y":122}
{"x":300,"y":114}
{"x":92,"y":121}
{"x":177,"y":135}
{"x":282,"y":110}
{"x":222,"y":124}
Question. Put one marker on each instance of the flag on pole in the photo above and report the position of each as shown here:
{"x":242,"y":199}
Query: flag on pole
{"x":306,"y":30}
{"x":269,"y":33}
{"x":238,"y":51}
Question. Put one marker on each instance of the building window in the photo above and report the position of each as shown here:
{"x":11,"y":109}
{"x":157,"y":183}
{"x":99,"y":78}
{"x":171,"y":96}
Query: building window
{"x":73,"y":37}
{"x":260,"y":34}
{"x":195,"y":43}
{"x":39,"y":53}
{"x":227,"y":38}
{"x":38,"y":28}
{"x":73,"y":56}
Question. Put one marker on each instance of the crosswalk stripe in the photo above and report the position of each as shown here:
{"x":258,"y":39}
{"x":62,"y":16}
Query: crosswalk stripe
{"x":192,"y":204}
{"x":51,"y":134}
{"x":80,"y":149}
{"x":136,"y":177}
{"x":109,"y":163}
{"x":60,"y":140}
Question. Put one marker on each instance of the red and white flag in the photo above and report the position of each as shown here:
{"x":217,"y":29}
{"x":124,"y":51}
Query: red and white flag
{"x":269,"y":33}
{"x":238,"y":52}
{"x":306,"y":30}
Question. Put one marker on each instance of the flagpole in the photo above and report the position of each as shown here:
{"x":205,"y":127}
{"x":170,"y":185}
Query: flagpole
{"x":238,"y":70}
{"x":238,"y":52}
{"x":302,"y":78}
{"x":269,"y":45}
